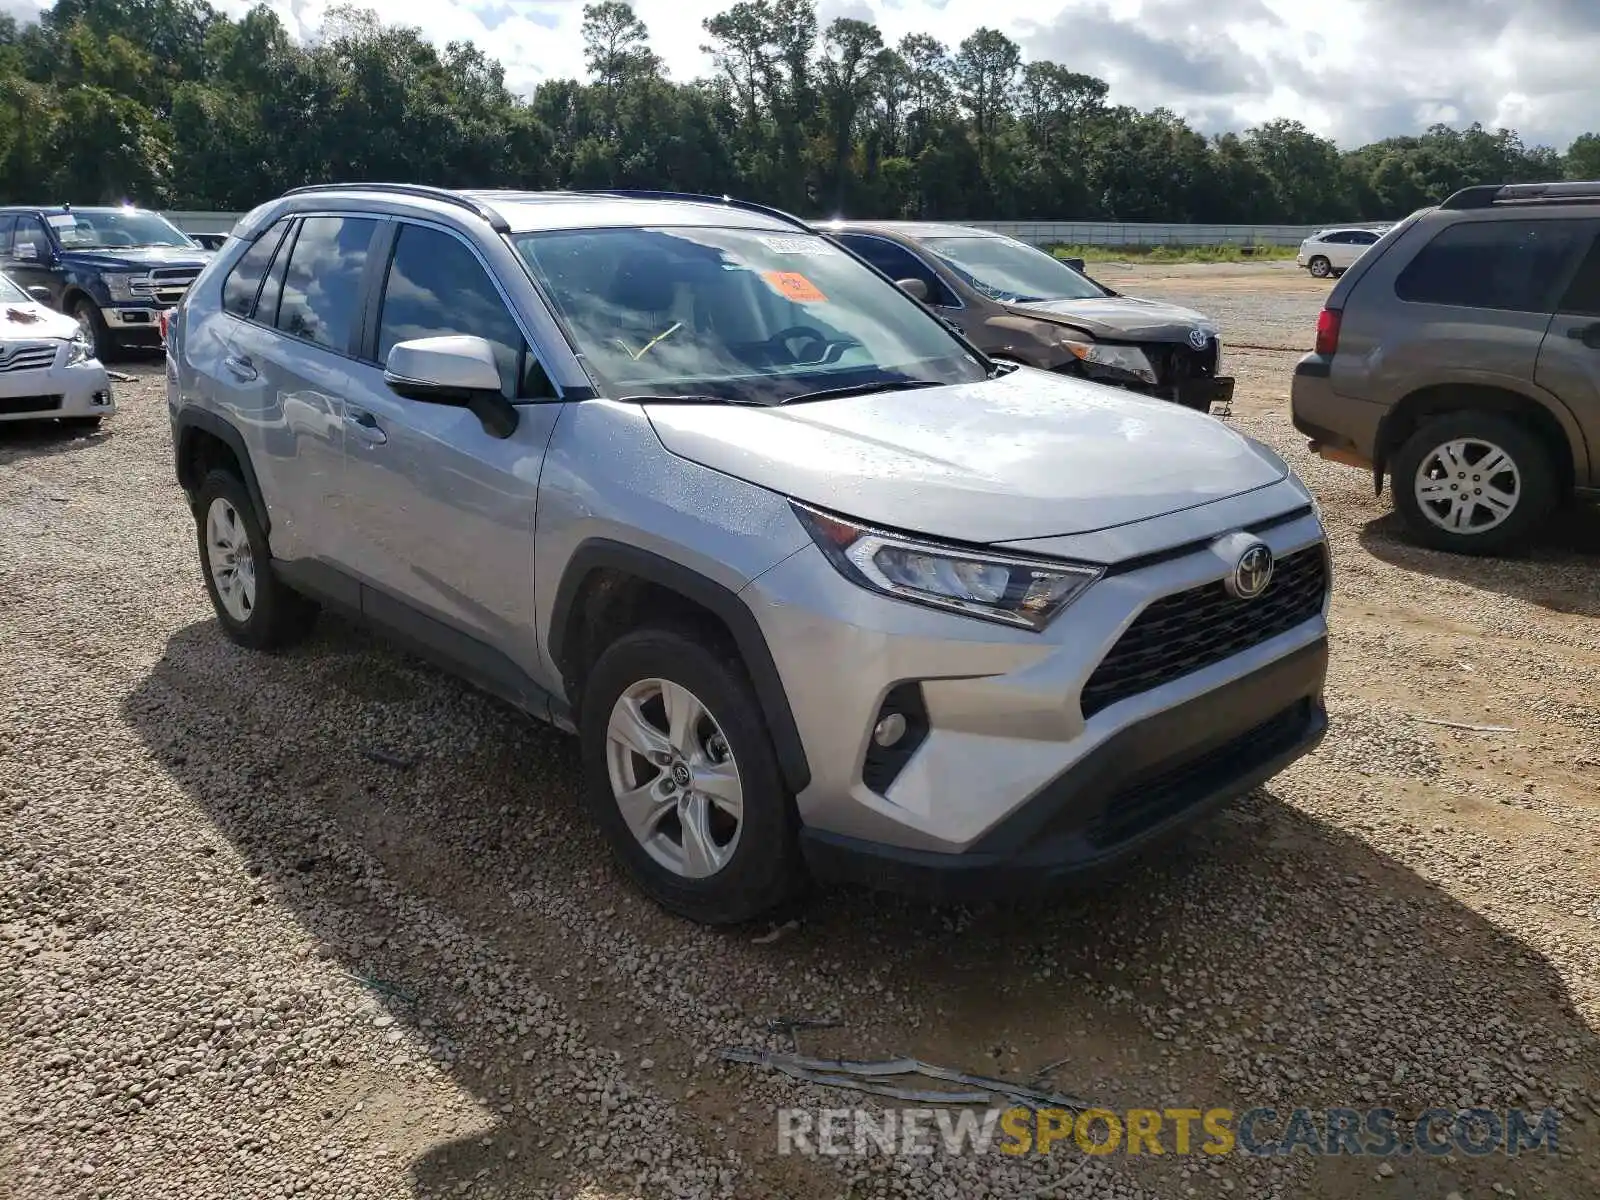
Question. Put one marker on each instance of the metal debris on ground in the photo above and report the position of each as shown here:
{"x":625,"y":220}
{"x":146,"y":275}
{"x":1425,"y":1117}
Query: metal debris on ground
{"x":390,"y":991}
{"x":793,"y":1025}
{"x":120,"y":377}
{"x":1464,"y":725}
{"x":776,"y":933}
{"x":866,"y":1078}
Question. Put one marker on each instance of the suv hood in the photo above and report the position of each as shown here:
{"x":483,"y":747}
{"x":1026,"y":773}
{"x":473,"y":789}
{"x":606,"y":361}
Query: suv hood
{"x":1027,"y":455}
{"x":136,"y":259}
{"x":1120,"y":318}
{"x":27,"y":321}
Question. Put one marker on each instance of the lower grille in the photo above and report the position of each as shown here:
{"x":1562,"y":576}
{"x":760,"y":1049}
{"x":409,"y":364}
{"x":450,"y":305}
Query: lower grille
{"x":1179,"y":634}
{"x":1148,"y":802}
{"x":10,"y":406}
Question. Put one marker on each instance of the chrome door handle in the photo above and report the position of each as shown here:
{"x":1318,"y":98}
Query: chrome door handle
{"x":240,"y":366}
{"x":366,"y":426}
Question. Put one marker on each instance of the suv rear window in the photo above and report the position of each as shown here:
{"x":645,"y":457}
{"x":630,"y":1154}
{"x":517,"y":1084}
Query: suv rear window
{"x":244,"y":281}
{"x":1515,"y":265}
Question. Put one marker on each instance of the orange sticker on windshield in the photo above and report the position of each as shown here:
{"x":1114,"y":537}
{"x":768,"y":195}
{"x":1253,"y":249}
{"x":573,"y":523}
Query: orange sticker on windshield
{"x":792,"y":285}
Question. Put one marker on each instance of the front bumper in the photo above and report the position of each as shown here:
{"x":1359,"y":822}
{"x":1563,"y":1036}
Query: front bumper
{"x":1135,"y":790}
{"x":132,"y":323}
{"x":81,"y":390}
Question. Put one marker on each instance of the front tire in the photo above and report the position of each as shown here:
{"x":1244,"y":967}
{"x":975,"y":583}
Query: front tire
{"x":254,"y":607}
{"x":681,"y":777}
{"x":87,"y":315}
{"x":1320,"y":267}
{"x":1473,"y":482}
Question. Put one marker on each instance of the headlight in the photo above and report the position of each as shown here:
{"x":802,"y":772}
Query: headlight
{"x":77,"y":349}
{"x":1130,"y":359}
{"x":119,"y":287}
{"x":1027,"y":592}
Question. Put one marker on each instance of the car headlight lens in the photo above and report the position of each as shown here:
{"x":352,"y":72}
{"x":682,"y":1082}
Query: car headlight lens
{"x":77,"y":349}
{"x":1025,"y":592}
{"x":1130,"y":359}
{"x":118,"y":287}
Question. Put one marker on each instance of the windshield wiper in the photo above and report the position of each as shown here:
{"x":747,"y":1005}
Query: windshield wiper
{"x":686,"y":398}
{"x":863,"y":389}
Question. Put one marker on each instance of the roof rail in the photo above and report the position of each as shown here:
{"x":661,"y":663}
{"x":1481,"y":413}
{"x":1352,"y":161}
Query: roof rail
{"x":776,"y":214}
{"x":496,"y":222}
{"x":1490,"y":194}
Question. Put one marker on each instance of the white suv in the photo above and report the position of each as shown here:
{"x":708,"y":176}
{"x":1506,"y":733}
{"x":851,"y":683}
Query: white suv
{"x":1333,"y":251}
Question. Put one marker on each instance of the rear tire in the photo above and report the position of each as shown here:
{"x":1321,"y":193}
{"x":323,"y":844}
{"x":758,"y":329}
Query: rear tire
{"x":255,"y":608}
{"x":1320,"y":267}
{"x":1473,"y":482}
{"x":684,"y":847}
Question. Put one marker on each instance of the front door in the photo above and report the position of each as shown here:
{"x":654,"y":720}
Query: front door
{"x":1569,"y":359}
{"x":32,"y":262}
{"x":898,"y":263}
{"x":440,"y":512}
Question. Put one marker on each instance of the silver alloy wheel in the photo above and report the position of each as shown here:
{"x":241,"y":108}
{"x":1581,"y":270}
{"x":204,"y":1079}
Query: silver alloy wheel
{"x":1467,"y":485}
{"x":233,"y":564}
{"x":674,"y":778}
{"x":1321,"y":267}
{"x":85,"y":320}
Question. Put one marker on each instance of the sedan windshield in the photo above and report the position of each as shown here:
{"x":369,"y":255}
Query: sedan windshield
{"x":1005,"y":270}
{"x":115,"y":228}
{"x":739,"y":315}
{"x":10,"y":293}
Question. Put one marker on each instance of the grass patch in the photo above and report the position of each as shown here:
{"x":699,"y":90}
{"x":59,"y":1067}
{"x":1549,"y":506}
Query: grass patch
{"x":1175,"y":254}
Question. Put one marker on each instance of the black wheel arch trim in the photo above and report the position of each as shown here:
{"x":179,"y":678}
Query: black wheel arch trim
{"x":604,"y":554}
{"x":195,"y":420}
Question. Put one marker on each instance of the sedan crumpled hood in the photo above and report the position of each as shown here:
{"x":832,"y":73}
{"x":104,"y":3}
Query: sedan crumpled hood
{"x":28,"y":321}
{"x":1027,"y":455}
{"x":1121,"y":318}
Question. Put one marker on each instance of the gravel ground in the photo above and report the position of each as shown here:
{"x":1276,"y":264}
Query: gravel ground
{"x":241,"y":955}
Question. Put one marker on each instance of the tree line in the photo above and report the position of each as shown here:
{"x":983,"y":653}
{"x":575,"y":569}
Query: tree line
{"x":170,"y":103}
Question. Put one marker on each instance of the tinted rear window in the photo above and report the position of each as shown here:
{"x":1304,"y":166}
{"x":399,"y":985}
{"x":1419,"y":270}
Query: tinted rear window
{"x":244,"y":281}
{"x":323,"y":282}
{"x":1514,"y":265}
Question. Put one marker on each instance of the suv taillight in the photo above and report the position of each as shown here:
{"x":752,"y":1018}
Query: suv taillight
{"x":1328,"y":331}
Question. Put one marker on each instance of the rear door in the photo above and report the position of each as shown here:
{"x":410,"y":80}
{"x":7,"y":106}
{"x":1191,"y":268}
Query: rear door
{"x":1356,"y":243}
{"x":1569,"y":359}
{"x":440,"y":513}
{"x":290,"y":369}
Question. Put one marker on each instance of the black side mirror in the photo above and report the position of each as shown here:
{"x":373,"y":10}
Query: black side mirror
{"x":1075,"y":263}
{"x":457,"y":370}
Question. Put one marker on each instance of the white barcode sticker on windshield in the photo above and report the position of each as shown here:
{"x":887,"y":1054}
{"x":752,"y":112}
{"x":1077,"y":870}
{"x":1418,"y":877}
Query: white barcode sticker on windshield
{"x":62,"y":220}
{"x":798,"y":245}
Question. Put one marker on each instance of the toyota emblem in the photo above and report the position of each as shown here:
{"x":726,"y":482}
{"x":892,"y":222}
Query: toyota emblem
{"x":1252,"y":573}
{"x":1198,"y":338}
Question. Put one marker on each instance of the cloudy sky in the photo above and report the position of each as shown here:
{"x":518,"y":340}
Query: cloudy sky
{"x":1353,"y":70}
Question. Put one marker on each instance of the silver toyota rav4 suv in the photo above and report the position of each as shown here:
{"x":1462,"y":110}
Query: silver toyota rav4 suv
{"x":825,"y":593}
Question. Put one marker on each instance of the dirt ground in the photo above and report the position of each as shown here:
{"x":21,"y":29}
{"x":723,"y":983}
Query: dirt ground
{"x":242,"y":956}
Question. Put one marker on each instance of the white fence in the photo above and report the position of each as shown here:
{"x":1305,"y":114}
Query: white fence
{"x":1040,"y":233}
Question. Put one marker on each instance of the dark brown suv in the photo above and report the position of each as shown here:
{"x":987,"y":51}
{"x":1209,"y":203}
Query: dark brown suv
{"x":1460,"y":356}
{"x":1015,"y":302}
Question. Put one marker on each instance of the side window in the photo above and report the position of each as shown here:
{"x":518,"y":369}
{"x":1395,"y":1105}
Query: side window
{"x":32,"y":242}
{"x":7,"y":224}
{"x":272,"y":287}
{"x":1337,"y":239}
{"x":898,"y":263}
{"x":322,"y":287}
{"x":1364,"y":237}
{"x":1512,"y":265}
{"x":1583,"y":293}
{"x":244,"y":281}
{"x":435,"y":288}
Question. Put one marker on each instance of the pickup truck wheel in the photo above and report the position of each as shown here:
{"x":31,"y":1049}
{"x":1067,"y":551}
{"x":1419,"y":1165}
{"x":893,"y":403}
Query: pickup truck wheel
{"x":254,"y":607}
{"x":682,"y":779}
{"x":93,"y":326}
{"x":1320,"y":267}
{"x":1473,"y":483}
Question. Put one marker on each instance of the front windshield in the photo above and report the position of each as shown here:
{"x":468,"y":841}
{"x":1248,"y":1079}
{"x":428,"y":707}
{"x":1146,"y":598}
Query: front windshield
{"x":10,"y":293}
{"x":743,"y":315}
{"x":1011,"y":271}
{"x":115,"y":228}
